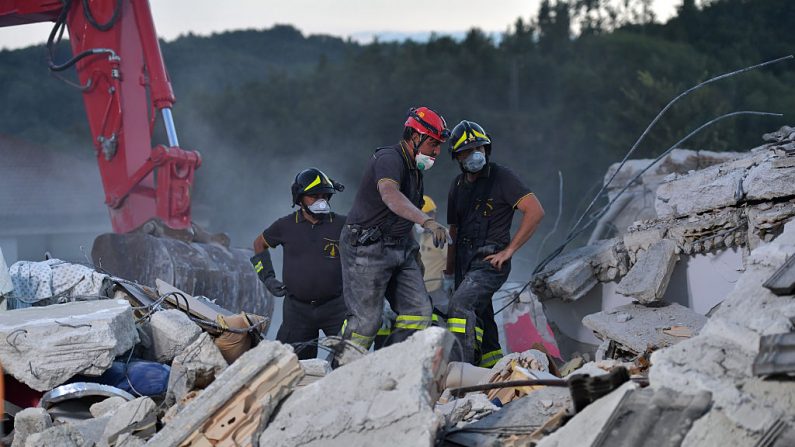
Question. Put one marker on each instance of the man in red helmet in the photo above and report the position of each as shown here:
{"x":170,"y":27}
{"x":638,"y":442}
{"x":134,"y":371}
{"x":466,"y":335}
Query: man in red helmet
{"x":378,"y":253}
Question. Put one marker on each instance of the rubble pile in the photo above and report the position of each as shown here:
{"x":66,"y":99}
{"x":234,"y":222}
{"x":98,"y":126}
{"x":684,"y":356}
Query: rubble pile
{"x":119,"y":364}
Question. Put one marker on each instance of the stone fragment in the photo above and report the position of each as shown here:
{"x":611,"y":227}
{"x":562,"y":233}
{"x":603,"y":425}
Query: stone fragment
{"x":703,"y":190}
{"x":45,"y":346}
{"x":399,"y":416}
{"x":28,"y":422}
{"x":194,"y":368}
{"x":585,"y":427}
{"x":529,"y":412}
{"x":64,"y":435}
{"x":645,"y":329}
{"x":469,"y":408}
{"x":170,"y":331}
{"x":136,"y":417}
{"x":314,"y":370}
{"x":106,"y":406}
{"x":242,"y":396}
{"x":771,"y":179}
{"x":573,"y":281}
{"x":648,"y":278}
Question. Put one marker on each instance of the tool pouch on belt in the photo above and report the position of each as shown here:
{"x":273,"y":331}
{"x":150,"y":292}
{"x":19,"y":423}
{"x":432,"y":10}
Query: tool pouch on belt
{"x":365,"y":236}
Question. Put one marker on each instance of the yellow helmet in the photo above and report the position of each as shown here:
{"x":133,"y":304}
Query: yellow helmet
{"x":429,"y":204}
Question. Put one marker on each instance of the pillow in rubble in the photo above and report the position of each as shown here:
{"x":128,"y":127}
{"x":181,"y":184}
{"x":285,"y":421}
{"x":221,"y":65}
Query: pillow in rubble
{"x":233,"y":344}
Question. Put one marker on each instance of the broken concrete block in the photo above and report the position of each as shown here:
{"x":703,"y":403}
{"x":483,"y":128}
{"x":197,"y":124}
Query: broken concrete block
{"x":92,"y":430}
{"x":771,"y":179}
{"x":45,"y":346}
{"x":387,"y":396}
{"x":194,"y":368}
{"x":585,"y":427}
{"x":136,"y":417}
{"x":28,"y":422}
{"x":714,"y":428}
{"x":703,"y":190}
{"x":645,"y":329}
{"x":647,"y":280}
{"x":64,"y":435}
{"x":106,"y":406}
{"x":314,"y":370}
{"x":573,"y":281}
{"x":529,"y":413}
{"x":242,"y":396}
{"x":467,"y":409}
{"x":171,"y":331}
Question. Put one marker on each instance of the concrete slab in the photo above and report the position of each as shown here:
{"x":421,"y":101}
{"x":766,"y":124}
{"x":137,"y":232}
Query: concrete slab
{"x":385,"y":398}
{"x":45,"y":346}
{"x":194,"y":368}
{"x":645,"y":327}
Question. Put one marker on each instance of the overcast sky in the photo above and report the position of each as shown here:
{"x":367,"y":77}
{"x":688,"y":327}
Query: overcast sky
{"x":356,"y":18}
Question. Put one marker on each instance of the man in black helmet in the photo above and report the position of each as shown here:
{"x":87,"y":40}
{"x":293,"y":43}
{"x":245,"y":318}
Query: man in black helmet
{"x":380,"y":257}
{"x":480,"y":210}
{"x":312,"y":277}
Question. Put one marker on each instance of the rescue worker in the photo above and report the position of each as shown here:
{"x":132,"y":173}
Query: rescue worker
{"x":312,"y":273}
{"x":480,"y":211}
{"x":379,"y":255}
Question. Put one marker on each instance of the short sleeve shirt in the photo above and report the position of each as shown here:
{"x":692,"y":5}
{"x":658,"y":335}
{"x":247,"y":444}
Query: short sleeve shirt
{"x":506,"y":193}
{"x":311,"y":268}
{"x":389,"y":163}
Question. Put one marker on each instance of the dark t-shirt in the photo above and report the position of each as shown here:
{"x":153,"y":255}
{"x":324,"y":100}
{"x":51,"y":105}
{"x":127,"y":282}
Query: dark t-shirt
{"x":506,"y":192}
{"x":391,"y":163}
{"x":311,"y":268}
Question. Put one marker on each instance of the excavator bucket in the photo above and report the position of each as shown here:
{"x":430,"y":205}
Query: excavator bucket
{"x":209,"y":268}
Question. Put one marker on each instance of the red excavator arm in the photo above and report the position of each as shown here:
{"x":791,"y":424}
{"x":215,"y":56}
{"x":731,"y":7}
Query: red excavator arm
{"x":147,"y":187}
{"x":125,"y":89}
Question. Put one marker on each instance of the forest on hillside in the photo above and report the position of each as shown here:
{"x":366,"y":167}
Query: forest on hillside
{"x":568,"y":88}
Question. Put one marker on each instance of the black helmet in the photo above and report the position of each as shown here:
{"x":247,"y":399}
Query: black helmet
{"x":466,"y":135}
{"x":313,"y":181}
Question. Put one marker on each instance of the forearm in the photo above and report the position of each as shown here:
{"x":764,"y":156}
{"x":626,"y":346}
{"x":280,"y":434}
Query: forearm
{"x":532,"y":213}
{"x":400,"y":204}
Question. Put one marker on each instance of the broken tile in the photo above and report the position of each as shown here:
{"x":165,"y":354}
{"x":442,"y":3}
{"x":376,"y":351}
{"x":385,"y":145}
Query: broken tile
{"x":387,"y":397}
{"x":45,"y":346}
{"x":647,"y":280}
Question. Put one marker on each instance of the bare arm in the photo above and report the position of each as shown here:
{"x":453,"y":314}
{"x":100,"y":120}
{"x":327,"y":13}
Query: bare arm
{"x":532,"y":213}
{"x":399,"y":203}
{"x":259,"y":244}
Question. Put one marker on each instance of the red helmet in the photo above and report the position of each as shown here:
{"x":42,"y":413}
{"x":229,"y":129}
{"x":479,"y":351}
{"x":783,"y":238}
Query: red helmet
{"x":427,"y":122}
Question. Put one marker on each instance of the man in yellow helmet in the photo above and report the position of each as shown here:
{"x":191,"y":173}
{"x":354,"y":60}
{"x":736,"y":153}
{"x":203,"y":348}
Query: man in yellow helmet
{"x":312,"y":287}
{"x":480,"y":209}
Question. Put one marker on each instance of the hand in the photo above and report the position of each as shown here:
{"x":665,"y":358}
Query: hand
{"x":439,"y":232}
{"x":275,"y":287}
{"x":448,"y":283}
{"x":499,"y":258}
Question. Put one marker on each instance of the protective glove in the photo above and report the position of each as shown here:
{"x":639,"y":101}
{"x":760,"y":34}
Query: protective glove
{"x":448,"y":283}
{"x":264,"y":268}
{"x":439,"y":232}
{"x":275,"y":287}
